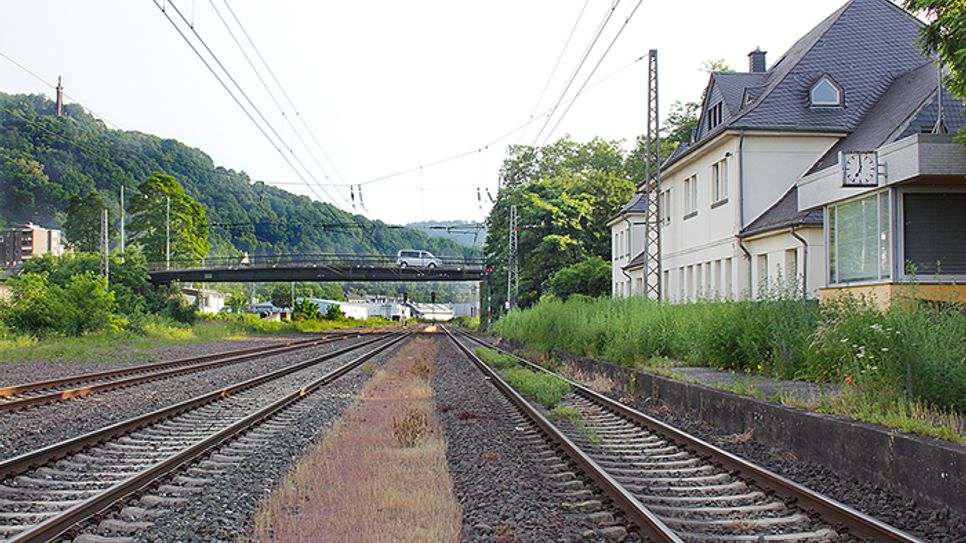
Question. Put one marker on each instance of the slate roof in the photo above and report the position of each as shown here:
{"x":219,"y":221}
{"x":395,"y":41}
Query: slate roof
{"x":637,"y":204}
{"x":908,"y":106}
{"x":783,"y":214}
{"x":863,"y":46}
{"x":636,"y":262}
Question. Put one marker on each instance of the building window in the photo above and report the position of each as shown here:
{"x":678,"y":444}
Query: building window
{"x":690,"y":195}
{"x":719,"y":181}
{"x":728,"y":289}
{"x":666,"y":287}
{"x":791,"y":268}
{"x":933,"y":226}
{"x":714,"y":116}
{"x":859,"y":239}
{"x":825,"y":93}
{"x":665,"y":206}
{"x":762,"y":272}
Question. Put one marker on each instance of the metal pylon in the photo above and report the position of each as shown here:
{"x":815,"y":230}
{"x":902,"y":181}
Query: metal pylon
{"x":652,"y":186}
{"x":513,"y":264}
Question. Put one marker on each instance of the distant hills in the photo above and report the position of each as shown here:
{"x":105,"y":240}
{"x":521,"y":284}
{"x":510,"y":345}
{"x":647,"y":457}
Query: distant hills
{"x":45,"y":159}
{"x":465,"y":232}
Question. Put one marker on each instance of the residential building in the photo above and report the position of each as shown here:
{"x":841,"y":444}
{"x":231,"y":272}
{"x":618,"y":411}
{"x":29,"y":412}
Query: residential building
{"x":27,"y":241}
{"x":209,"y":301}
{"x":732,"y":224}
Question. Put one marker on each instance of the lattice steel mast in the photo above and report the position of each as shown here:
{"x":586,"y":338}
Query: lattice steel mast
{"x":513,"y":265}
{"x":652,"y":186}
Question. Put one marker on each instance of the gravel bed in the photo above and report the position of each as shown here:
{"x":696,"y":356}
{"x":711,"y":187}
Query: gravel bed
{"x":24,"y":431}
{"x":496,"y":481}
{"x":225,"y":511}
{"x":31,"y":371}
{"x":929,"y":523}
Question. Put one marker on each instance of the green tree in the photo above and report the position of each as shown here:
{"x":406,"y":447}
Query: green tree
{"x":282,"y":295}
{"x":304,"y":310}
{"x":42,"y":308}
{"x":945,"y":36}
{"x":83,"y":225}
{"x":189,"y":224}
{"x":590,"y":277}
{"x":236,"y":303}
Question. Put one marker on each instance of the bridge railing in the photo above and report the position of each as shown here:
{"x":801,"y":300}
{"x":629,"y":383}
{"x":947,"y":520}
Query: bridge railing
{"x":330,"y":260}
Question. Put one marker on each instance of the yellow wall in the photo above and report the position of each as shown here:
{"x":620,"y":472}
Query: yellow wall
{"x":883,"y":295}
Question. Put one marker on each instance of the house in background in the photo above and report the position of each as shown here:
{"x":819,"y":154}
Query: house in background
{"x":27,"y":241}
{"x":732,"y":224}
{"x":209,"y":301}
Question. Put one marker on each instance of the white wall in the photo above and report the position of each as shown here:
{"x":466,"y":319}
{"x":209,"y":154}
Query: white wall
{"x":775,"y":250}
{"x":627,"y":241}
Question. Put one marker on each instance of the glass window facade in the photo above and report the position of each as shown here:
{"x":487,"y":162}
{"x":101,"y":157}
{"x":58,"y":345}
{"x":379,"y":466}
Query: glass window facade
{"x":859,"y":240}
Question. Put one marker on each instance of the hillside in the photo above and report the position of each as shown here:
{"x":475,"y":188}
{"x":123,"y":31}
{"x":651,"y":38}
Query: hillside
{"x":45,"y":159}
{"x":465,"y":232}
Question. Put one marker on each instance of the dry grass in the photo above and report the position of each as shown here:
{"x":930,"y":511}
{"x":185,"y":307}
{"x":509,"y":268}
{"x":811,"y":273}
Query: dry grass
{"x":410,"y":427}
{"x":359,"y":484}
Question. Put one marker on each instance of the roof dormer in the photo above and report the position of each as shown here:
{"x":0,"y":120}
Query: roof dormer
{"x":825,"y":93}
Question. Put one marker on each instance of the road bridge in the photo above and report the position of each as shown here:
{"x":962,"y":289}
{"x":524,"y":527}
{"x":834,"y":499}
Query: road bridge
{"x":314,"y":268}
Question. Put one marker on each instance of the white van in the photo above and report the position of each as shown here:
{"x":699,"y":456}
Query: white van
{"x":417,"y":259}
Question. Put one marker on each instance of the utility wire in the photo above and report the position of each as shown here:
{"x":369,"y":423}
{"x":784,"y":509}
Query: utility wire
{"x":592,"y":72}
{"x":559,"y":58}
{"x":265,"y":85}
{"x":583,"y":59}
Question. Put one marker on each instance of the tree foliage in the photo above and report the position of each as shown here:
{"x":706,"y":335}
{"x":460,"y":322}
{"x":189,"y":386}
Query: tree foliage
{"x":590,"y":277}
{"x":82,"y":228}
{"x":43,"y":308}
{"x":305,"y":310}
{"x":149,"y":221}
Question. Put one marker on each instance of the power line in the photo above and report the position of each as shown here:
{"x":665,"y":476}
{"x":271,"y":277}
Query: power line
{"x":593,"y":71}
{"x":559,"y":58}
{"x":583,"y":59}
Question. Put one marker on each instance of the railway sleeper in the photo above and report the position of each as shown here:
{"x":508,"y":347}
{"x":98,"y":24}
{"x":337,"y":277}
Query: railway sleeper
{"x":814,"y":536}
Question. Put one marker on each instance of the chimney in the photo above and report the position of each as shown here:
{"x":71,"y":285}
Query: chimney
{"x":756,"y":60}
{"x":60,"y":98}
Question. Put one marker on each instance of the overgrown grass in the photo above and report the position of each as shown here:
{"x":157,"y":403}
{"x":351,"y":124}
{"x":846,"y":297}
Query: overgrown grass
{"x":153,"y":331}
{"x":541,"y":387}
{"x":565,"y":412}
{"x":495,"y":359}
{"x":914,"y":351}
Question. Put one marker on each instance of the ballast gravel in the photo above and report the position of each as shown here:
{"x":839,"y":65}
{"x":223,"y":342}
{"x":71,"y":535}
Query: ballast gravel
{"x":225,"y":511}
{"x":32,"y":428}
{"x":504,"y":497}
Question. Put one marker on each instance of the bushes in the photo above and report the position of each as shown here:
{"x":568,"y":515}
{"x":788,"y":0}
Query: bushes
{"x":545,"y":388}
{"x":912,"y":350}
{"x":41,"y":308}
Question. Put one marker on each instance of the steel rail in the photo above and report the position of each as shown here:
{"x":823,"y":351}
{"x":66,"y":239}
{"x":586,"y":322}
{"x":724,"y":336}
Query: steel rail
{"x":836,"y":513}
{"x":19,"y":464}
{"x":63,"y":522}
{"x":648,"y":522}
{"x":147,"y":373}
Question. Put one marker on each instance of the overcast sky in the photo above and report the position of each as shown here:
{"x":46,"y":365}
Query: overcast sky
{"x":386,"y":86}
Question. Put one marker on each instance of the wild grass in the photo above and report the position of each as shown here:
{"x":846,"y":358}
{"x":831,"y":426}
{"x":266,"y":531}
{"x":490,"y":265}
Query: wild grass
{"x":153,"y":331}
{"x":544,"y":388}
{"x":906,"y":360}
{"x":359,"y":483}
{"x":565,"y":413}
{"x":495,"y":359}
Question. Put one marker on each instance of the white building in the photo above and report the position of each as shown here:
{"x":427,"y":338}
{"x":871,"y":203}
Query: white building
{"x":731,"y":223}
{"x":209,"y":301}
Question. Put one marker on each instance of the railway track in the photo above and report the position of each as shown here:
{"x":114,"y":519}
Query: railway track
{"x":16,"y":397}
{"x":676,"y":487}
{"x":51,"y":491}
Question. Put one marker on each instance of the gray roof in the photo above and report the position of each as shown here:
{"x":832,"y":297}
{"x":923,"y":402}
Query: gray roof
{"x":863,"y":46}
{"x":908,"y":106}
{"x":783,"y":214}
{"x":637,"y":204}
{"x":636,"y":262}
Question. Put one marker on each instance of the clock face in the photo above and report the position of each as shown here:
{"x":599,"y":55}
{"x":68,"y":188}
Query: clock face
{"x":860,"y":169}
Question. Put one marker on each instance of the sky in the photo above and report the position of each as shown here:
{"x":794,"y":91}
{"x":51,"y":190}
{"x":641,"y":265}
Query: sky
{"x":384,"y":86}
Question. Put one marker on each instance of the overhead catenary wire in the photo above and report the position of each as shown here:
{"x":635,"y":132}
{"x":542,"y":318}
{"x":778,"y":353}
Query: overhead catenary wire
{"x":592,"y":72}
{"x":238,"y":101}
{"x":576,"y":71}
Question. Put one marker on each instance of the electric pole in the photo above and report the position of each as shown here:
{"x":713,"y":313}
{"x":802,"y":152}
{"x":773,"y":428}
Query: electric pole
{"x":652,"y":186}
{"x":167,"y":233}
{"x":122,"y":223}
{"x":513,"y":268}
{"x":105,"y":248}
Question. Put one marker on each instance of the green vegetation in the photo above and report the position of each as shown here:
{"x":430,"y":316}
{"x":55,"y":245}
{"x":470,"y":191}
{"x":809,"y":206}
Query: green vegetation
{"x":495,"y":359}
{"x":912,"y":351}
{"x":45,"y":160}
{"x":545,"y":388}
{"x":162,"y":198}
{"x":565,"y":412}
{"x":590,"y":277}
{"x":463,"y":321}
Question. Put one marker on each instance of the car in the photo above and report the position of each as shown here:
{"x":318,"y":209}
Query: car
{"x":417,"y":259}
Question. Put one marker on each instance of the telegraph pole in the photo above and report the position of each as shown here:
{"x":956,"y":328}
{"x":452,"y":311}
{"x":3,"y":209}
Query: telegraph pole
{"x":513,"y":265}
{"x":122,"y":223}
{"x":105,"y":249}
{"x":167,"y":233}
{"x":652,"y":186}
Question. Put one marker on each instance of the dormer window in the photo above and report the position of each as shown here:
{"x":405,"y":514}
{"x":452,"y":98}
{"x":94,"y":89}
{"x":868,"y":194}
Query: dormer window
{"x":714,"y":116}
{"x":825,"y":93}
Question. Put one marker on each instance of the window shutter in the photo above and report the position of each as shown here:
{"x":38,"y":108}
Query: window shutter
{"x":934,"y":227}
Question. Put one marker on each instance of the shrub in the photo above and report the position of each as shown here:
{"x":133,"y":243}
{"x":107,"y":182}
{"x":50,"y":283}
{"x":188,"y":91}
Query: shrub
{"x":333,"y":313}
{"x":590,"y":277}
{"x":545,"y":388}
{"x":40,"y":308}
{"x":304,"y":310}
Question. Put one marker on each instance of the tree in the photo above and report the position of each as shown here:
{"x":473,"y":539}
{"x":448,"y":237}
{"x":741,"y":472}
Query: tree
{"x":189,"y":224}
{"x":282,"y":295}
{"x":590,"y":277}
{"x":304,"y":310}
{"x":83,"y":225}
{"x":945,"y":36}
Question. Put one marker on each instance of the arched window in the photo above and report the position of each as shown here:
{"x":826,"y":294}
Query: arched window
{"x":825,"y":93}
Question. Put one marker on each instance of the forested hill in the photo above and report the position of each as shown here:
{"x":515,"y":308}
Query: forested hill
{"x":45,"y":159}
